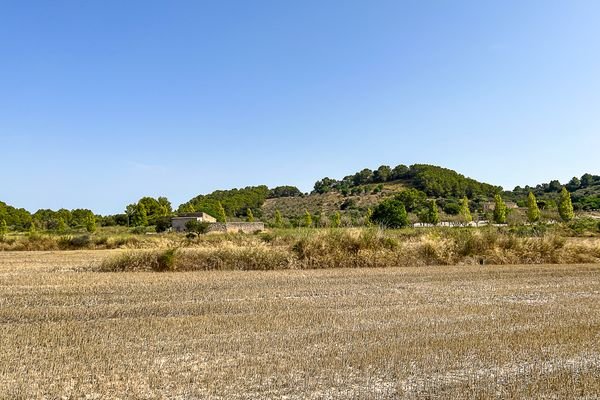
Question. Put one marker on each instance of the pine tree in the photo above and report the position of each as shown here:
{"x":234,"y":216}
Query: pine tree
{"x":499,"y":210}
{"x":430,"y":214}
{"x":565,"y":206}
{"x":278,"y":219}
{"x":368,"y":217}
{"x":90,"y":223}
{"x":3,"y":228}
{"x":249,"y":215}
{"x":307,"y":219}
{"x":336,"y":219}
{"x":221,"y":215}
{"x":434,"y":214}
{"x":533,"y":211}
{"x":465,"y":212}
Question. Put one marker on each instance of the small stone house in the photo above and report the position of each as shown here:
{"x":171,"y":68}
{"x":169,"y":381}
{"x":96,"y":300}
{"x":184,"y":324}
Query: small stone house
{"x":178,"y":223}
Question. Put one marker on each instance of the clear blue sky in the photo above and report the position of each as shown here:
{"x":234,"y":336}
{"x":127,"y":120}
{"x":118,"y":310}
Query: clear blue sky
{"x":102,"y":102}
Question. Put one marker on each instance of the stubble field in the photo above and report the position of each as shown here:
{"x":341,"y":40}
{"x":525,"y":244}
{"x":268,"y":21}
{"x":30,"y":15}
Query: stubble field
{"x":426,"y":332}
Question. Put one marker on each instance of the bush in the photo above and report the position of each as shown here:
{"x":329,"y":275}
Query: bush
{"x":390,"y":213}
{"x":165,"y":261}
{"x":196,"y":227}
{"x":138,"y":230}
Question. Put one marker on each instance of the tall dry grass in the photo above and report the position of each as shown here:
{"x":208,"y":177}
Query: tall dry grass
{"x":360,"y":248}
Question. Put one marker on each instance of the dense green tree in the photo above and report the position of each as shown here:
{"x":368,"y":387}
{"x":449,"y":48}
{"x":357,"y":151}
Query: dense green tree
{"x":412,"y":199}
{"x":573,"y":184}
{"x":587,"y":180}
{"x":139,"y":215}
{"x":382,"y":174}
{"x":430,"y":214}
{"x":565,"y":206}
{"x":554,"y":186}
{"x":465,"y":212}
{"x":399,"y":172}
{"x":363,"y":177}
{"x":325,"y":185}
{"x":249,"y":215}
{"x":284,"y":191}
{"x":307,"y":219}
{"x":499,"y":210}
{"x":390,"y":213}
{"x":221,"y":215}
{"x":533,"y":211}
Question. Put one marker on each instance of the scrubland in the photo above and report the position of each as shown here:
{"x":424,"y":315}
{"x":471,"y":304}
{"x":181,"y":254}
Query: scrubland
{"x":69,"y":331}
{"x":359,"y":248}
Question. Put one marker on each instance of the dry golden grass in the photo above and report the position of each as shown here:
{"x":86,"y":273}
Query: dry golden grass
{"x":427,"y":332}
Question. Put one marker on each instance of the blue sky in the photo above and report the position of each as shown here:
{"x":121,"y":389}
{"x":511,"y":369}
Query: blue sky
{"x":102,"y":102}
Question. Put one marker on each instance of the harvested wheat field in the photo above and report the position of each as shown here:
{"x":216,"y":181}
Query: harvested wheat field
{"x":425,"y":332}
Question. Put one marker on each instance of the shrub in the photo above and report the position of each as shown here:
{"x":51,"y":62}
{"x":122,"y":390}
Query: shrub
{"x":165,"y":261}
{"x":196,"y":227}
{"x":390,"y":213}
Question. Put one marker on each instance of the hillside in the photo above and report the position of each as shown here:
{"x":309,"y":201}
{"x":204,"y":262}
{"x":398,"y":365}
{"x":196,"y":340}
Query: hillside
{"x":330,"y":202}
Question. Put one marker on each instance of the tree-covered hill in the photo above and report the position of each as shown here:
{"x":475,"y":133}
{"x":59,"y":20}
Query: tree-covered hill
{"x":585,"y":193}
{"x":433,"y":180}
{"x":236,"y":202}
{"x":352,"y":196}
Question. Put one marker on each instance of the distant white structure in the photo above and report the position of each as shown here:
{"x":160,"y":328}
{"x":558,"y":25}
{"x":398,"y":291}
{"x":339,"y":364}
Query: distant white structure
{"x":455,"y":224}
{"x":178,"y":223}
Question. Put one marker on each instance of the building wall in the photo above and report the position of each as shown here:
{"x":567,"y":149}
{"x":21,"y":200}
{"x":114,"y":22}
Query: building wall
{"x":179,"y":223}
{"x":208,"y":218}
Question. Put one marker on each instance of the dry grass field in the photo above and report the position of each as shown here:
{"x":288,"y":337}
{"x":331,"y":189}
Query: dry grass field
{"x":426,"y":332}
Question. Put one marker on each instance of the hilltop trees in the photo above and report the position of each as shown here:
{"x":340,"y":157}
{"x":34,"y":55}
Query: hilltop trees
{"x":382,"y":174}
{"x":499,"y":210}
{"x":533,"y":212}
{"x":434,"y":181}
{"x":565,"y":207}
{"x":284,"y":191}
{"x":235,"y":202}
